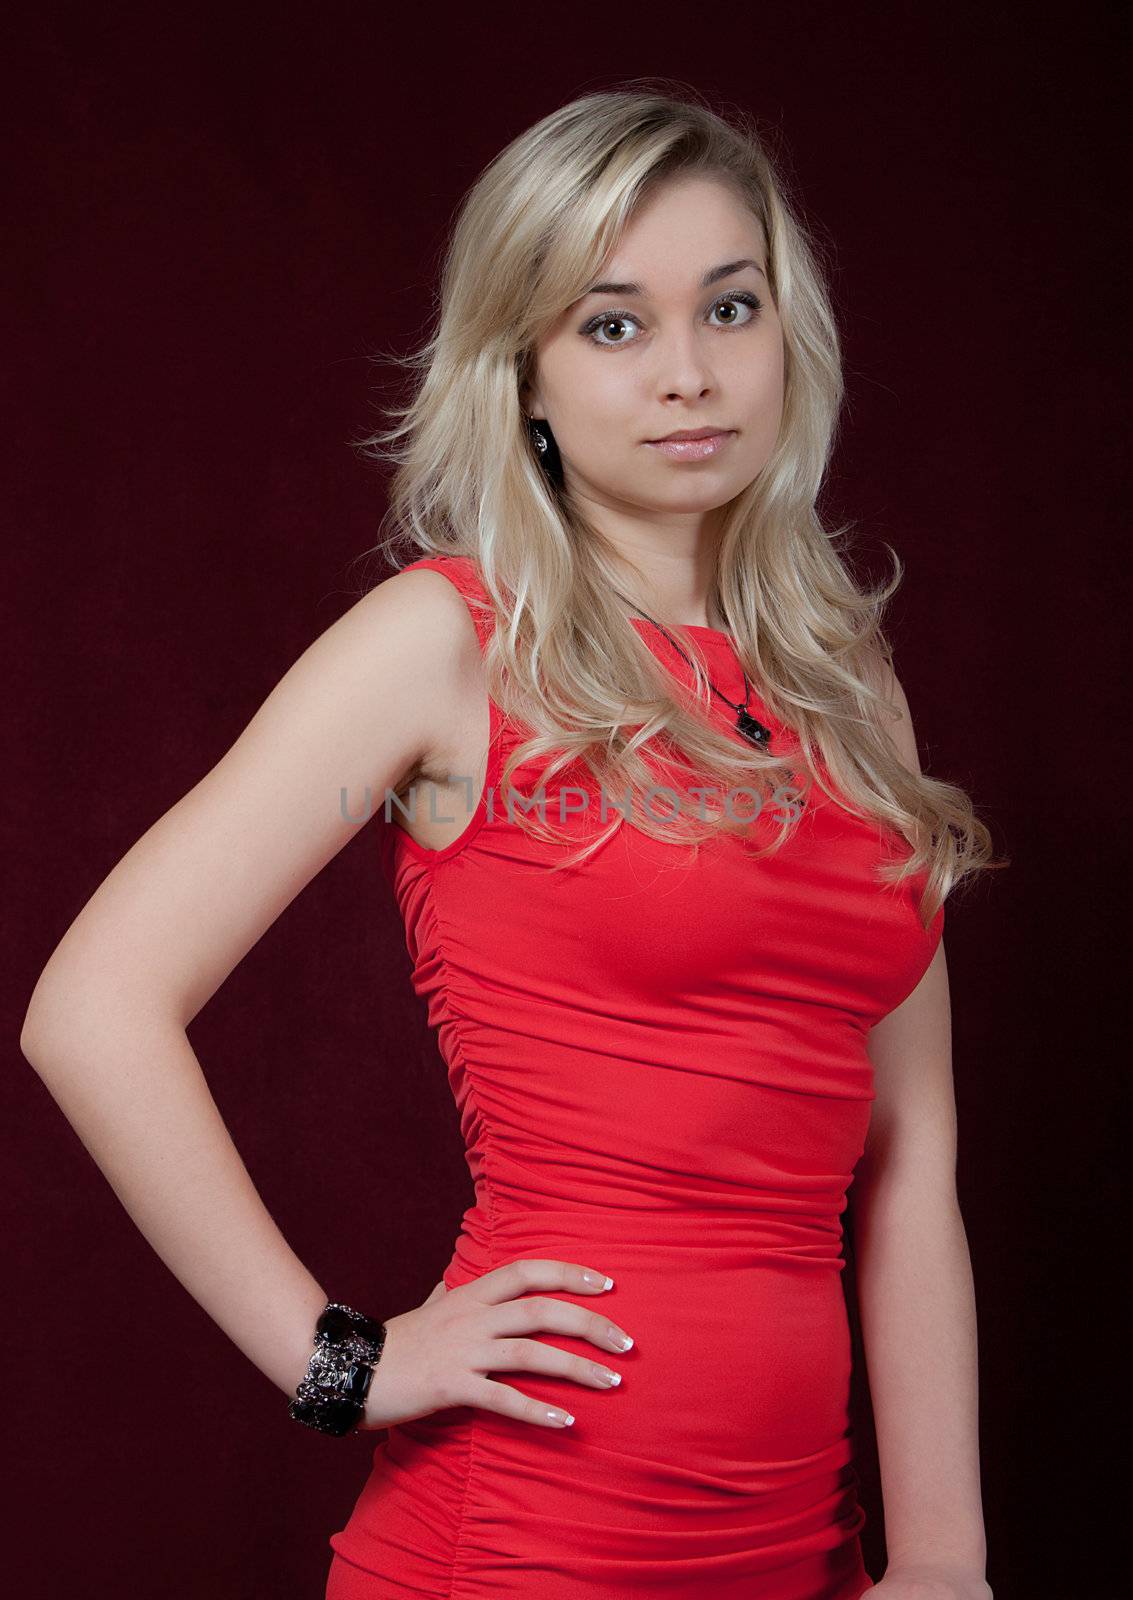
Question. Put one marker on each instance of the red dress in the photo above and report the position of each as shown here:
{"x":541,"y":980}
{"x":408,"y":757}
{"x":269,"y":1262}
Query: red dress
{"x":661,"y":1073}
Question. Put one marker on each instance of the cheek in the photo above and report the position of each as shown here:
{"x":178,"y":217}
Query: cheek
{"x":598,"y":420}
{"x":757,"y":373}
{"x":765,"y":399}
{"x":775,"y":380}
{"x":612,"y":391}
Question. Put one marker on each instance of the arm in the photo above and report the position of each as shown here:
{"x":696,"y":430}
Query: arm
{"x":105,"y":1028}
{"x":915,"y":1293}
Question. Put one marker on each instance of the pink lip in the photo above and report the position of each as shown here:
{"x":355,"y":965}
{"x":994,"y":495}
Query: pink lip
{"x":697,"y":448}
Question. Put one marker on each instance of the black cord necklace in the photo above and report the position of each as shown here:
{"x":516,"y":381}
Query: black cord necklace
{"x":753,"y":731}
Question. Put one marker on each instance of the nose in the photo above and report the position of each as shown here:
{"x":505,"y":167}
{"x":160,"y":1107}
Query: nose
{"x":683,"y":369}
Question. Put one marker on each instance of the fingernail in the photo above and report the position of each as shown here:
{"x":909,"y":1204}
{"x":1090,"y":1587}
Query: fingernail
{"x":597,"y":1281}
{"x":564,"y":1418}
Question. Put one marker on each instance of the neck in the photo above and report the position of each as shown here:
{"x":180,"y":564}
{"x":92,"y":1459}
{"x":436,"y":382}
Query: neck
{"x":685,"y":605}
{"x":683,"y":614}
{"x":671,"y":578}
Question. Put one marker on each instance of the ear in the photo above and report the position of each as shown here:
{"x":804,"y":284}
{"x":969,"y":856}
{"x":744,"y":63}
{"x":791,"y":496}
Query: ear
{"x":531,"y":400}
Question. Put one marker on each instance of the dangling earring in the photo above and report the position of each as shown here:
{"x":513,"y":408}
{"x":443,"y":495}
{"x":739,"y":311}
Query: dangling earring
{"x":546,"y":448}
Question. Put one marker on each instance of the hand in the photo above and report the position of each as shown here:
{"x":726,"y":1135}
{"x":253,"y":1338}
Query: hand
{"x":436,"y":1356}
{"x":929,"y":1581}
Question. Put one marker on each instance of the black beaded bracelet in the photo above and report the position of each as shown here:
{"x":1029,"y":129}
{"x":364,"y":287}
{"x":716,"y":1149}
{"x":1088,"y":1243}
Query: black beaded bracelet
{"x":348,"y":1346}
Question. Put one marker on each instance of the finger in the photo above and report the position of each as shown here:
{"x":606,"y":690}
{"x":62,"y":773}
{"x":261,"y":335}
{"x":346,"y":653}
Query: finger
{"x":539,"y":1314}
{"x":489,"y":1395}
{"x":534,"y":1273}
{"x":532,"y":1355}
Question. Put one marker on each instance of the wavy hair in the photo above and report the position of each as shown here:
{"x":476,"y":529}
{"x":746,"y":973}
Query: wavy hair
{"x":564,"y":660}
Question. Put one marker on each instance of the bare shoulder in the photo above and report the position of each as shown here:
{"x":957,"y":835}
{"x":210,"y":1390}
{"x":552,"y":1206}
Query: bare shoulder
{"x":439,"y":667}
{"x":386,"y":689}
{"x":428,"y":597}
{"x":897,"y":716}
{"x":391,"y":674}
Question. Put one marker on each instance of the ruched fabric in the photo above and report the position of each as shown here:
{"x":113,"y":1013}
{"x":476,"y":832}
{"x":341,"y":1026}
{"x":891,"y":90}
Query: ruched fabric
{"x":660,"y":1065}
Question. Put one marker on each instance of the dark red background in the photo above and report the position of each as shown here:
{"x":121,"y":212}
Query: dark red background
{"x":213,"y":217}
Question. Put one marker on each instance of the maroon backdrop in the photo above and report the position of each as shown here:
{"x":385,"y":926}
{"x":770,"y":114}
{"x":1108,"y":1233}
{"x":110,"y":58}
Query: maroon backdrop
{"x":214,"y":217}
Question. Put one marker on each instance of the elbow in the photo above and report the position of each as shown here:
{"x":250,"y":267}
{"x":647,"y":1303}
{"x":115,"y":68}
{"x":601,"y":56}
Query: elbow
{"x":28,"y":1046}
{"x":75,"y":1009}
{"x":42,"y":1023}
{"x":913,"y":1171}
{"x":31,"y":1033}
{"x":61,"y":1007}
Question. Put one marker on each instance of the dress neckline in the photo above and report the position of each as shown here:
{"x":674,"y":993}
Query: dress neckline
{"x":700,"y":630}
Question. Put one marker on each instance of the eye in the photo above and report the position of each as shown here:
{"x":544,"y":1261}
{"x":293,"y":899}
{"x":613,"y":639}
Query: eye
{"x":740,"y":298}
{"x":607,"y":320}
{"x":604,"y":321}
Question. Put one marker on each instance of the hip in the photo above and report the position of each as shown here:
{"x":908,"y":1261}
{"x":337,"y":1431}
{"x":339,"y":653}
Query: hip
{"x":469,"y":1507}
{"x":740,"y":1357}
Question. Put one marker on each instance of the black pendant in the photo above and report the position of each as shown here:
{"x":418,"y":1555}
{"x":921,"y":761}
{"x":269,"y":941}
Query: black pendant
{"x":752,"y":730}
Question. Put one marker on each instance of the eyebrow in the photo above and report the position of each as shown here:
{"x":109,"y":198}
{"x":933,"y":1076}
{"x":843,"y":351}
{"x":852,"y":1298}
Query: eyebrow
{"x":713,"y":275}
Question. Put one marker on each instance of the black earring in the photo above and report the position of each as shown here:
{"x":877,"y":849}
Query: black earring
{"x":544,"y":442}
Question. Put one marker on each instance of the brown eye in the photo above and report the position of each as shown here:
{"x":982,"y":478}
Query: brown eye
{"x":607,"y":321}
{"x":603,"y":324}
{"x":734,"y":301}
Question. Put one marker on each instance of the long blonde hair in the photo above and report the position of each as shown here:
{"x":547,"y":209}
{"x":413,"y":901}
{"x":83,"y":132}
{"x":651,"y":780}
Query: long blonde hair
{"x":526,"y":241}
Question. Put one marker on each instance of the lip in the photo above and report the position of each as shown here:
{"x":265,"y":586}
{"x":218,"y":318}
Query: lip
{"x":692,"y":444}
{"x":689,"y":433}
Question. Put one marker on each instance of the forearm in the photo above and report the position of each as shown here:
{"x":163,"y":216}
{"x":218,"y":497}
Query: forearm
{"x":918,"y":1316}
{"x":135,"y":1094}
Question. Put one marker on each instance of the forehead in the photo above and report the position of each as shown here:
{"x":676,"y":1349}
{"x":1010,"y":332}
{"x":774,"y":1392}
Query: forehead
{"x":687,"y":234}
{"x":710,"y":275}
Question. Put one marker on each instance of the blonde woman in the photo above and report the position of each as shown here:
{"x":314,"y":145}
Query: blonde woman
{"x":673,"y":884}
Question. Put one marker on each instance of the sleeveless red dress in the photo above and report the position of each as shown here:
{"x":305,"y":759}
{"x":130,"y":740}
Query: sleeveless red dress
{"x":661,"y":1072}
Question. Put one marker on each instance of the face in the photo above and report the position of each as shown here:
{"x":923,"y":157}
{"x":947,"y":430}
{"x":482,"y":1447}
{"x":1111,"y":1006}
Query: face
{"x":661,"y":350}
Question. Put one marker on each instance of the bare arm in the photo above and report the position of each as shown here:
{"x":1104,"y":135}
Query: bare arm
{"x":105,"y":1029}
{"x":915,"y":1287}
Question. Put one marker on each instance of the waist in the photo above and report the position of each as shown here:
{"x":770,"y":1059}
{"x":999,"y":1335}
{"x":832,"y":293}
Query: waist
{"x":741,"y":1345}
{"x":682,"y":1240}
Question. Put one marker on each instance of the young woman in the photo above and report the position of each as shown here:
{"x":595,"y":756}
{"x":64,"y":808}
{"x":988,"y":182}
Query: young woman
{"x":672,"y":882}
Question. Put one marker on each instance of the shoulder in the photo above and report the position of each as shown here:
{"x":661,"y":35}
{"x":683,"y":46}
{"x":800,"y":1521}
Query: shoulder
{"x":427,"y":613}
{"x":896,"y":716}
{"x":451,"y":585}
{"x":398,"y":669}
{"x":440,"y":615}
{"x":435,"y":592}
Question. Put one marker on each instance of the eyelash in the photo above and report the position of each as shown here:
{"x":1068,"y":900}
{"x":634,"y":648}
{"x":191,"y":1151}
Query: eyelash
{"x":741,"y":297}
